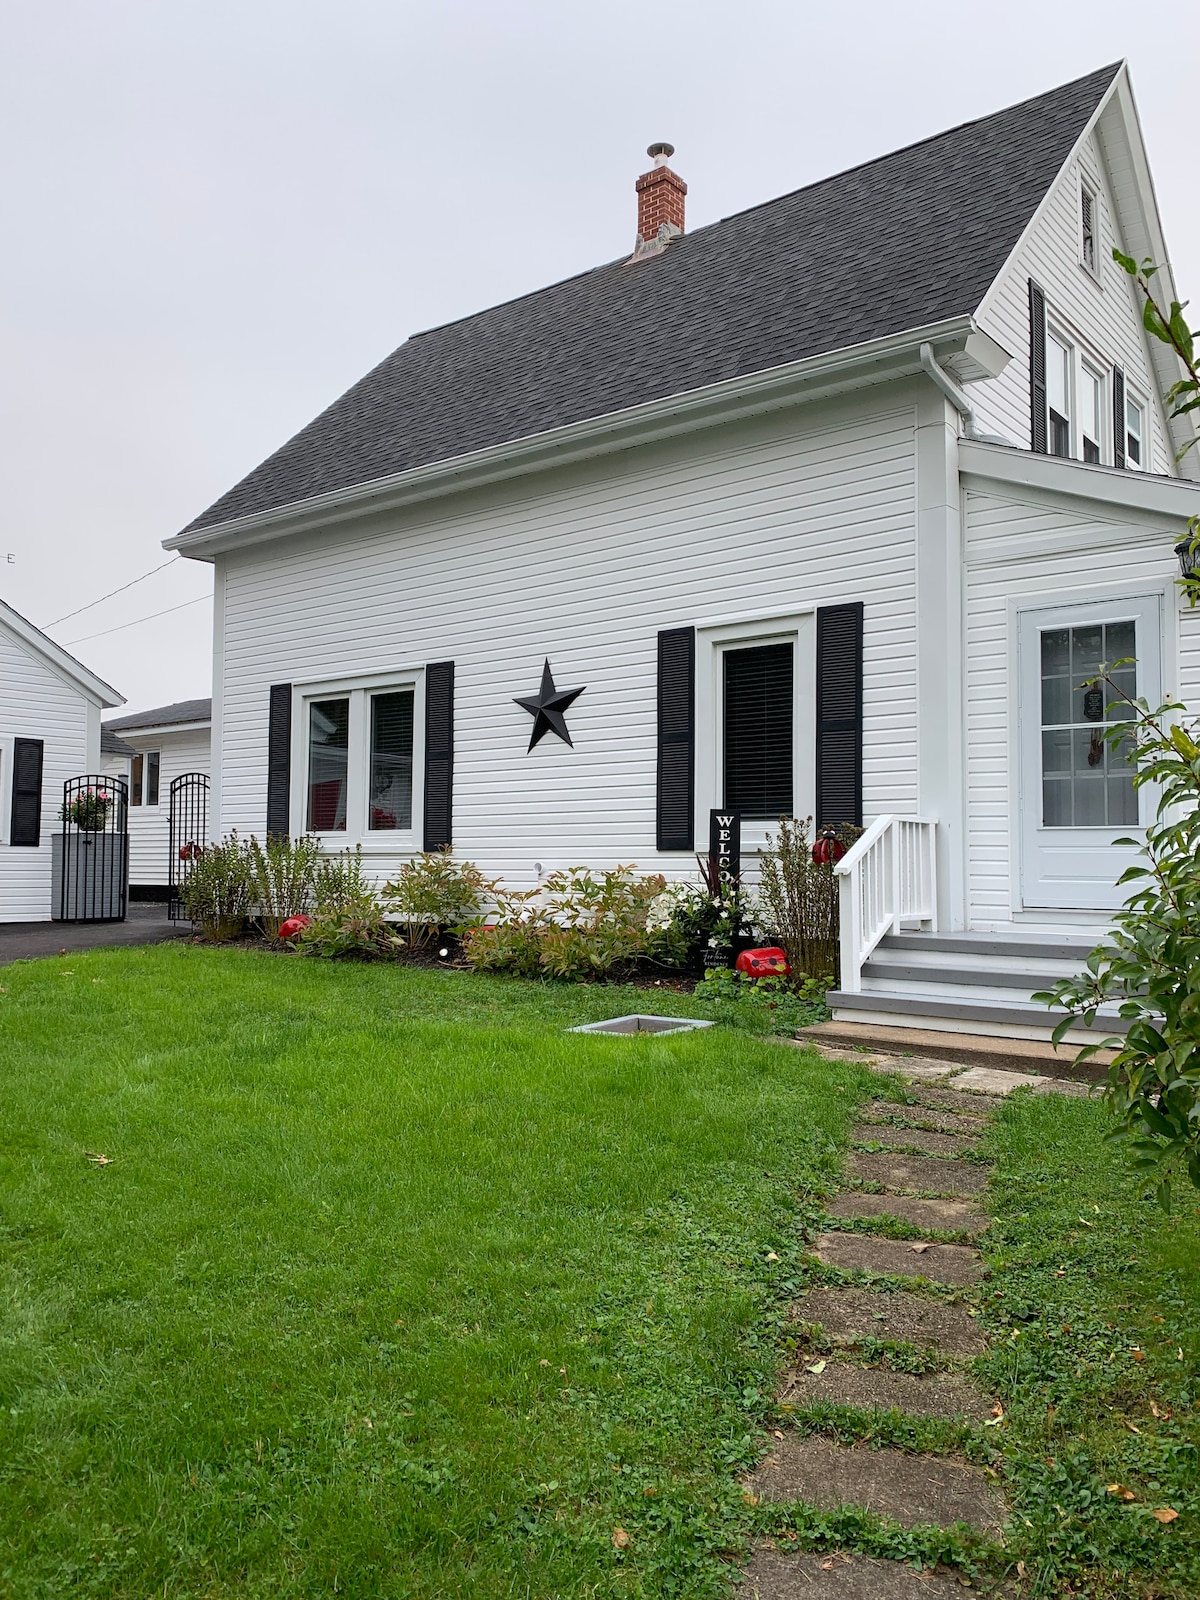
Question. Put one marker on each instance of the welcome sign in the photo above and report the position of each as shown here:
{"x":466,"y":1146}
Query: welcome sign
{"x":725,"y":845}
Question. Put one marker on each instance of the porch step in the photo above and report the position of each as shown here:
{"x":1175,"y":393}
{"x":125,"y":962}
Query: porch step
{"x":1020,"y":977}
{"x":919,"y":1005}
{"x":1049,"y":946}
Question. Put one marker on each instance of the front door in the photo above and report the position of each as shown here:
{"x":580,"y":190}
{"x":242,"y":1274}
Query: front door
{"x":1076,"y":793}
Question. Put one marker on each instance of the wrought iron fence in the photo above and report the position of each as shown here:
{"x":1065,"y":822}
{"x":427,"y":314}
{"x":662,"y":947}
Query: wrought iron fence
{"x":188,"y":833}
{"x":90,"y":862}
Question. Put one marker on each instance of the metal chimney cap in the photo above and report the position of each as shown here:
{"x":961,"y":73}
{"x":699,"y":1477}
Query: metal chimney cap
{"x":661,"y":152}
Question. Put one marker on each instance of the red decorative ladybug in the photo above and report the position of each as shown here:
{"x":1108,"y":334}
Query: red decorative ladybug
{"x":828,"y":848}
{"x":770,"y":962}
{"x":294,"y":925}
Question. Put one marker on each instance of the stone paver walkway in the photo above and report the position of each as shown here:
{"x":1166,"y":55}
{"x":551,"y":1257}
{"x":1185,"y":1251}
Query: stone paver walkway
{"x":922,"y":1173}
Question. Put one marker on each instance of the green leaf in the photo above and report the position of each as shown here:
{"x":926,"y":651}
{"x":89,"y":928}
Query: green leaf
{"x":1180,"y":332}
{"x":1125,"y":261}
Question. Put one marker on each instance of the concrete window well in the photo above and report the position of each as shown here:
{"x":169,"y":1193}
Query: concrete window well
{"x":640,"y":1024}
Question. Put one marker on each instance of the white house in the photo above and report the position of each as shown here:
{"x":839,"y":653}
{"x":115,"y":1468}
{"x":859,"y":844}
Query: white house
{"x":50,"y":707}
{"x":824,"y":508}
{"x":164,"y":744}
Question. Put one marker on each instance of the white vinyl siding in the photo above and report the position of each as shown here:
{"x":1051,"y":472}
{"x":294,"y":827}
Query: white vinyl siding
{"x":149,"y":826}
{"x":1018,"y":549}
{"x":36,"y":702}
{"x":584,"y":567}
{"x":1097,"y":310}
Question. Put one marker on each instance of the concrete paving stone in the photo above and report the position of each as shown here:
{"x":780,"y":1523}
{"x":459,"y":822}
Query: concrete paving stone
{"x":848,"y":1316}
{"x":922,"y":1116}
{"x":1067,"y":1086}
{"x":991,"y":1080}
{"x":945,"y":1099}
{"x":953,"y":1264}
{"x":946,"y":1216}
{"x":918,"y":1172}
{"x":841,"y":1383}
{"x":893,"y":1138}
{"x":915,"y":1071}
{"x":914,"y":1490}
{"x":775,"y":1574}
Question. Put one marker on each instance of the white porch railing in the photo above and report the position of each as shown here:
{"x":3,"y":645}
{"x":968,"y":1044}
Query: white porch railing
{"x":888,"y":880}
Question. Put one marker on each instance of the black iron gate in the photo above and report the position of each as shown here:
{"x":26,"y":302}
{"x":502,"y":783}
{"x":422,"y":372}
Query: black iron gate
{"x":189,"y":831}
{"x":90,"y":861}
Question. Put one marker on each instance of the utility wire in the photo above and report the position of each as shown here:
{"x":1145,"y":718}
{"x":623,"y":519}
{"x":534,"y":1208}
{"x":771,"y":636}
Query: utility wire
{"x":138,"y":620}
{"x":173,"y":561}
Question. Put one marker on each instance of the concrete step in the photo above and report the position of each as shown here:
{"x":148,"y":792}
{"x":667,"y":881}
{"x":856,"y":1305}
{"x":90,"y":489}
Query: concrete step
{"x":953,"y":1264}
{"x":1026,"y":979}
{"x":862,"y":1033}
{"x":923,"y":1006}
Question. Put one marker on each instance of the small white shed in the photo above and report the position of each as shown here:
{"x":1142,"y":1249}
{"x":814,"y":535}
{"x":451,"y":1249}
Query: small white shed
{"x":50,"y":707}
{"x":163,"y":744}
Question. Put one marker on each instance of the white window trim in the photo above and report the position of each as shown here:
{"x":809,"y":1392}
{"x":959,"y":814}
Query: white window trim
{"x":1096,"y":370}
{"x":797,"y":627}
{"x":1083,"y":354}
{"x":358,"y":689}
{"x":1134,"y":396}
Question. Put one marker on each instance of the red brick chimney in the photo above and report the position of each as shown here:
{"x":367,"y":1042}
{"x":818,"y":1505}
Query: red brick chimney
{"x":660,"y":201}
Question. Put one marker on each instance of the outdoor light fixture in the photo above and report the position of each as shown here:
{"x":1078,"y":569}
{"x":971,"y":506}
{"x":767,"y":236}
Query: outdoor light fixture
{"x":1188,"y":552}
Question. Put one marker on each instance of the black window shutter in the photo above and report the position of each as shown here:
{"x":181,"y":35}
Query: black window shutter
{"x":676,"y":798}
{"x":279,"y":761}
{"x":839,"y":714}
{"x":25,"y":827}
{"x":1037,"y":370}
{"x":1118,"y":417}
{"x":758,"y":724}
{"x":439,"y":755}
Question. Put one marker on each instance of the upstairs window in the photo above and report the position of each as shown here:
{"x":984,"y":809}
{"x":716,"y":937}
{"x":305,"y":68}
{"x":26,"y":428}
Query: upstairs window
{"x":1058,"y":395}
{"x":1135,"y":426}
{"x":1091,"y":411}
{"x":1087,"y":229}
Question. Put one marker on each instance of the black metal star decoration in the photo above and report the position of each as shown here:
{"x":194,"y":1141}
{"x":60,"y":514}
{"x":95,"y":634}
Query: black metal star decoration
{"x":547,"y":709}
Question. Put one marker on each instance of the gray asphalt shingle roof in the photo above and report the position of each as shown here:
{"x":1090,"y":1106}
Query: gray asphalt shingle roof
{"x":164,"y":716}
{"x":904,"y":241}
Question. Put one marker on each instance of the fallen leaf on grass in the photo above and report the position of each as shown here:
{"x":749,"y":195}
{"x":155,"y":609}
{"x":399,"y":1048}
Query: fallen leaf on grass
{"x":100,"y":1160}
{"x":620,"y":1539}
{"x":817,"y":1366}
{"x":1138,"y":1355}
{"x":1165,"y":1514}
{"x":749,"y":1496}
{"x":1157,"y":1411}
{"x":1132,"y":1428}
{"x":1061,"y":1272}
{"x":771,"y":1256}
{"x":778,"y":1433}
{"x":1121,"y":1492}
{"x":834,"y":1561}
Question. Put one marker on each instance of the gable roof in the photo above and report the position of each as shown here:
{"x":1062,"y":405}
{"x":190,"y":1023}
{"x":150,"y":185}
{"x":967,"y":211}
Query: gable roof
{"x":908,"y":240}
{"x":41,"y":644}
{"x":111,"y":745}
{"x":181,"y":711}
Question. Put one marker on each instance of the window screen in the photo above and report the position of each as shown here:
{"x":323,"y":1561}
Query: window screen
{"x":391,"y":760}
{"x":758,"y":731}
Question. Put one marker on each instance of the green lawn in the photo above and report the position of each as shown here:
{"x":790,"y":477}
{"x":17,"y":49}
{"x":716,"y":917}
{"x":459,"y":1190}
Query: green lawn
{"x":390,"y":1286}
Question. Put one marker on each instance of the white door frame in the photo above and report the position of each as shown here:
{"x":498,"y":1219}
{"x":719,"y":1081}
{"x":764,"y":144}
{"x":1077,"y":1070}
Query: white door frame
{"x":1088,"y":882}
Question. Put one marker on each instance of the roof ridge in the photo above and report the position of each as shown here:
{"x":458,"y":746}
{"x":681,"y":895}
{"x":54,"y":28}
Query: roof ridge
{"x":761,"y":205}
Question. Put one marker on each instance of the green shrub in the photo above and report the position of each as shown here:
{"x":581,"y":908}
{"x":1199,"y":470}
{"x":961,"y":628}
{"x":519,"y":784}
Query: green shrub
{"x":434,"y":891}
{"x":784,"y":1004}
{"x":695,"y":924}
{"x":1150,"y":964}
{"x":580,"y":924}
{"x":798,"y":897}
{"x":340,"y":883}
{"x":349,"y":928}
{"x":283,"y":871}
{"x":217,"y":891}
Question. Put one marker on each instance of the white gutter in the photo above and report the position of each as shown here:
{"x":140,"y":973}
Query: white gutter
{"x":879,"y":361}
{"x":950,"y":389}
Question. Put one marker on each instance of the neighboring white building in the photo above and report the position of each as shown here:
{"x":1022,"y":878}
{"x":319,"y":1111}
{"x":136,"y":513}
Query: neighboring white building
{"x":50,"y":707}
{"x":828,"y":507}
{"x":164,"y":743}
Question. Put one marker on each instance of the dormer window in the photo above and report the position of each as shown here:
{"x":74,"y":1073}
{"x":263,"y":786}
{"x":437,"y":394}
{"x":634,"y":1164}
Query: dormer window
{"x":1089,"y":253}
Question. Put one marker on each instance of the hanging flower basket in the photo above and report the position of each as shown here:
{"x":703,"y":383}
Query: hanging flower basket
{"x":88,"y":810}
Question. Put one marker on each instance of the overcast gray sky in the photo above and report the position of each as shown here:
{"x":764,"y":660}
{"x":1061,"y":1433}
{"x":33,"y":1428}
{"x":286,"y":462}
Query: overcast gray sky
{"x":217,"y":214}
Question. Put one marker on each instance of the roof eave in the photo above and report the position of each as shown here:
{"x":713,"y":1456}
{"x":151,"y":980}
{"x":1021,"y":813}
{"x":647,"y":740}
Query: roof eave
{"x":855,"y":366}
{"x":155,"y":730}
{"x":1175,"y":499}
{"x":61,"y":660}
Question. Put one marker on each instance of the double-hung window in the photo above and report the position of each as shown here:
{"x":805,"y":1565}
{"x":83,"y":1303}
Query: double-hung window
{"x":1135,"y":428}
{"x":143,"y":778}
{"x":358,"y":760}
{"x":1091,"y":412}
{"x":759,"y":759}
{"x":1058,"y":394}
